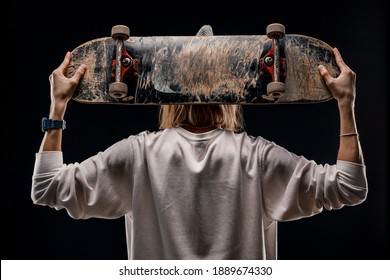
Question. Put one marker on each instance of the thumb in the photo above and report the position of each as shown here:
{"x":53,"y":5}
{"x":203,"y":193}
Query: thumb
{"x":79,"y":73}
{"x":325,"y":74}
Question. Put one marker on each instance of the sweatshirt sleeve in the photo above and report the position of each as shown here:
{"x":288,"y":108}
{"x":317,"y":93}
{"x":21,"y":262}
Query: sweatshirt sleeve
{"x":294,"y":187}
{"x":100,"y":186}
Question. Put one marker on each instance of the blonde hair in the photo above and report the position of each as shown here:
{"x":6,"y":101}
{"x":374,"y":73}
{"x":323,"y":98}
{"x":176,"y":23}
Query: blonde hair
{"x":229,"y":117}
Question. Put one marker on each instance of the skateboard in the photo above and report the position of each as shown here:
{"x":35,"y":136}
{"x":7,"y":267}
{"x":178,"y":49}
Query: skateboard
{"x":275,"y":68}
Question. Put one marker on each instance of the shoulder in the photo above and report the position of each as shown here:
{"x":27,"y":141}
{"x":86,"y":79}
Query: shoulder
{"x":258,"y":140}
{"x":146,"y":134}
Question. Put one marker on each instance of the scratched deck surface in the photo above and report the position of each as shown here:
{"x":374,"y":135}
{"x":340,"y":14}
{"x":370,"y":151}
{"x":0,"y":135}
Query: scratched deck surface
{"x":210,"y":69}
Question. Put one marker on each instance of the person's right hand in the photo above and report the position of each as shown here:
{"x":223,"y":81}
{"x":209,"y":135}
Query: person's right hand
{"x":343,"y":88}
{"x":62,"y":87}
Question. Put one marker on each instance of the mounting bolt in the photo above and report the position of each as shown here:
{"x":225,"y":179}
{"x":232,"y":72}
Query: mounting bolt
{"x":126,"y":62}
{"x":269,"y":60}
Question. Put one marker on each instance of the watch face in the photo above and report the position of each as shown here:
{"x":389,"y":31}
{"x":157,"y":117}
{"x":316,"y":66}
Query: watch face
{"x":45,"y":126}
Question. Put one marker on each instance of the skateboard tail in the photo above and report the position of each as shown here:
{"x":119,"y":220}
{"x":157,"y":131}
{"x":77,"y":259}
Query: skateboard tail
{"x":303,"y":81}
{"x":93,"y":86}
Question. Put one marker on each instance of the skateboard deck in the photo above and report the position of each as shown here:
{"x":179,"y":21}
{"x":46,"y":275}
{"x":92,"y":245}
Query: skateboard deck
{"x":234,"y":69}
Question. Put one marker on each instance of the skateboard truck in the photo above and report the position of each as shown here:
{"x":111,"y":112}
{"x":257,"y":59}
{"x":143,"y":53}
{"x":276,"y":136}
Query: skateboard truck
{"x":123,"y":64}
{"x":273,"y":64}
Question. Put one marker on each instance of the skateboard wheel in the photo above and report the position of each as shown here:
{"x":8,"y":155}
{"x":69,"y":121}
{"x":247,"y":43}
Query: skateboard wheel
{"x":121,"y":31}
{"x":275,"y":90}
{"x":276,"y":30}
{"x":118,"y":90}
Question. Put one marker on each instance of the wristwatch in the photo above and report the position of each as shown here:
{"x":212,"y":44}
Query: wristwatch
{"x":48,"y":124}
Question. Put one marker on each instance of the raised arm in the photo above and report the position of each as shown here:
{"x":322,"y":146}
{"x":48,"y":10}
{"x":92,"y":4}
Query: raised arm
{"x":61,"y":91}
{"x":343,"y":88}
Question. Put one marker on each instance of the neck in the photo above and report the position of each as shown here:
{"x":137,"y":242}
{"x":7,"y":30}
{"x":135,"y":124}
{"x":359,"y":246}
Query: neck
{"x":198,"y":129}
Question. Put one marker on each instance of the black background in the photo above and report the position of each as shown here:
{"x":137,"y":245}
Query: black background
{"x":38,"y":37}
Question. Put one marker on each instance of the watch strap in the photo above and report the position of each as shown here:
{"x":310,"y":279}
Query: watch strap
{"x":48,"y":124}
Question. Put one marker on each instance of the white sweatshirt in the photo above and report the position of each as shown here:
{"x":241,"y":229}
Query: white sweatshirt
{"x":214,"y":195}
